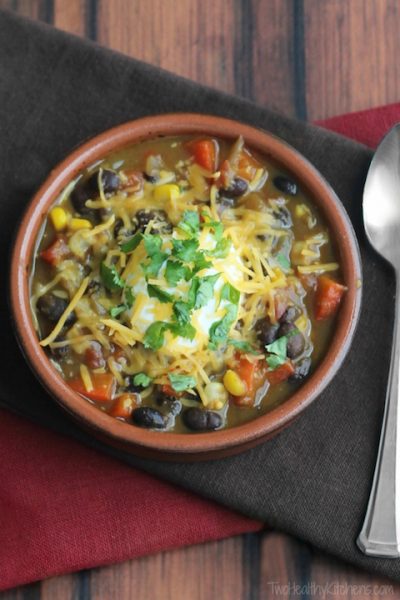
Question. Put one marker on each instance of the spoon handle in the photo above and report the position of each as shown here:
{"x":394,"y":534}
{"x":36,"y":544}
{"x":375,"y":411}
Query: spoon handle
{"x":380,"y":533}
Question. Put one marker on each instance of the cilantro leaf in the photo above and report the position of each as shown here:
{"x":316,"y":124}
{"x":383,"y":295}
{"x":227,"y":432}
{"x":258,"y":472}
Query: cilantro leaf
{"x":205,"y":290}
{"x":194,"y":286}
{"x":186,"y":330}
{"x":175,"y":271}
{"x":132,"y":244}
{"x":185,"y":250}
{"x":155,"y":263}
{"x":117,"y":310}
{"x":200,"y":261}
{"x":155,"y":291}
{"x":129,"y":297}
{"x":180,"y":383}
{"x":243,"y":345}
{"x":181,"y":312}
{"x":221,"y":249}
{"x":142,"y":380}
{"x":283,"y":261}
{"x":190,"y":223}
{"x":111,"y":278}
{"x":154,"y":335}
{"x":277,"y":352}
{"x":219,"y":330}
{"x":152,"y":243}
{"x":230,"y":293}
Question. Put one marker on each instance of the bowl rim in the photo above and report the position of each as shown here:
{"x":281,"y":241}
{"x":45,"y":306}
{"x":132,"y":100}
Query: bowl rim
{"x":134,"y":131}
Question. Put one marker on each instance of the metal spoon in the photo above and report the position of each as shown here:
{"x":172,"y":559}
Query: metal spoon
{"x":380,"y":534}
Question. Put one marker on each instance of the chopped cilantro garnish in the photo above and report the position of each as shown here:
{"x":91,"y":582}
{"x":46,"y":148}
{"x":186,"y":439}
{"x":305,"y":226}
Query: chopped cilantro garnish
{"x":186,"y":330}
{"x":152,"y":243}
{"x":111,"y":278}
{"x":129,"y":297}
{"x":117,"y":310}
{"x":190,"y":223}
{"x":219,"y":330}
{"x":243,"y":345}
{"x":222,"y":248}
{"x":142,"y":380}
{"x":277,"y":352}
{"x":181,"y":312}
{"x":180,"y":383}
{"x":152,"y":268}
{"x":205,"y":290}
{"x":154,"y":335}
{"x":155,"y":291}
{"x":200,"y":261}
{"x":175,"y":271}
{"x":185,"y":250}
{"x":132,"y":244}
{"x":230,"y":293}
{"x":282,"y":261}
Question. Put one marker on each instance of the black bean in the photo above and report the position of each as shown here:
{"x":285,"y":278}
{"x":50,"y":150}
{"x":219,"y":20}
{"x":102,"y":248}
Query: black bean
{"x":160,"y":220}
{"x":52,"y":307}
{"x":130,"y":386}
{"x":89,"y":190}
{"x":295,"y":342}
{"x":285,"y":185}
{"x":199,"y":419}
{"x":266,"y":331}
{"x":290,"y":315}
{"x":282,"y":217}
{"x":237,"y":188}
{"x":150,"y":178}
{"x":301,"y":370}
{"x":148,"y":417}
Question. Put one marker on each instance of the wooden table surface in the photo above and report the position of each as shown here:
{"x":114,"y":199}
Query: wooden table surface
{"x":307,"y":58}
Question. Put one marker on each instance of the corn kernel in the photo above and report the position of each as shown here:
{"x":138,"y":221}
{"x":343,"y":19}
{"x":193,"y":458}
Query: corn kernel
{"x":59,"y":218}
{"x":76,"y":223}
{"x":168,"y":191}
{"x":234,"y":384}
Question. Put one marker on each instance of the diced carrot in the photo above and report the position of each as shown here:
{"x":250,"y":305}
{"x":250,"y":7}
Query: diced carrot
{"x":104,"y":385}
{"x":327,"y":297}
{"x":56,"y":252}
{"x":281,"y":373}
{"x":246,"y":371}
{"x":124,"y":405}
{"x":205,"y":153}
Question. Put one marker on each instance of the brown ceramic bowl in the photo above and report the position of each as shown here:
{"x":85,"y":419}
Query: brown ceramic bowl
{"x":173,"y":446}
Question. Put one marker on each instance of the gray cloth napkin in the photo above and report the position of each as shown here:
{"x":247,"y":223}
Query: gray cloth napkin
{"x":311,"y":481}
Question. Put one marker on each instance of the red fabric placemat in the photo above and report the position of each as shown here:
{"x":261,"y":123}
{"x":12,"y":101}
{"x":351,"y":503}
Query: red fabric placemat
{"x":64,"y":507}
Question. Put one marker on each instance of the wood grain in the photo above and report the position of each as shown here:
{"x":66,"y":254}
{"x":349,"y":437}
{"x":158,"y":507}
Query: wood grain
{"x":307,"y":58}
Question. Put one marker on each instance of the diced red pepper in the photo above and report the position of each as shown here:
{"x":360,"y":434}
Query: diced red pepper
{"x":327,"y":297}
{"x":134,"y":180}
{"x":56,"y":252}
{"x":124,"y":405}
{"x":281,"y":373}
{"x":168,"y":390}
{"x":94,"y":357}
{"x":205,"y":153}
{"x":253,"y":375}
{"x":104,"y":385}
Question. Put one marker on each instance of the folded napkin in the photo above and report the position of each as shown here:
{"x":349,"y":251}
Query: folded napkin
{"x":313,"y":480}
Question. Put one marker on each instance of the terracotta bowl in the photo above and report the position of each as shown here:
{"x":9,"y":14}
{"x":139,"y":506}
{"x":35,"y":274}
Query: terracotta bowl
{"x":172,"y":446}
